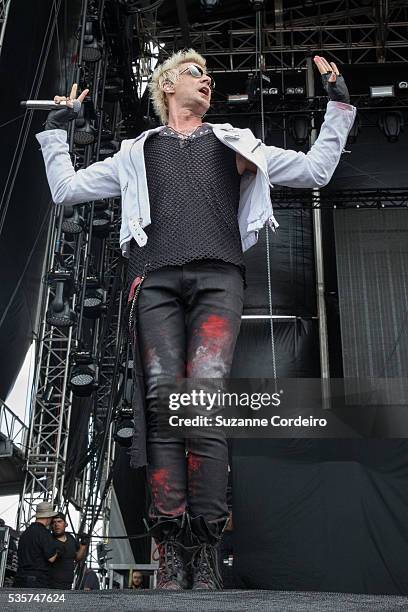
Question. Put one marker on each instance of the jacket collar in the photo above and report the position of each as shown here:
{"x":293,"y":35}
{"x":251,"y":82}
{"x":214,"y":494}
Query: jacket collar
{"x":225,"y":127}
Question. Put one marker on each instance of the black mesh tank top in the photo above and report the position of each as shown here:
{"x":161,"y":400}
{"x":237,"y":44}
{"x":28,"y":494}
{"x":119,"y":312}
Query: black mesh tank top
{"x":194,"y":191}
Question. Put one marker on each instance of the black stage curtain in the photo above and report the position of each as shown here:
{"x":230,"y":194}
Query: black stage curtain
{"x":322,"y":515}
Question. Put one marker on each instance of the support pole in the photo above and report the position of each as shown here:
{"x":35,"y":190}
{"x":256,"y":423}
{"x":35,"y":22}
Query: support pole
{"x":318,"y":251}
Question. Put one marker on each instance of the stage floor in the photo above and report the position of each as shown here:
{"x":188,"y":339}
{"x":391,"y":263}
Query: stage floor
{"x":196,"y":601}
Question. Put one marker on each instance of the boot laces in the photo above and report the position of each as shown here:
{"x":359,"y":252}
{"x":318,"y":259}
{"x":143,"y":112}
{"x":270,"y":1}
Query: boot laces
{"x":204,"y":562}
{"x":169,"y":560}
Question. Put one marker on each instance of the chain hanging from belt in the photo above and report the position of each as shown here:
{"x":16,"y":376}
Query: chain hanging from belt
{"x":132,"y":313}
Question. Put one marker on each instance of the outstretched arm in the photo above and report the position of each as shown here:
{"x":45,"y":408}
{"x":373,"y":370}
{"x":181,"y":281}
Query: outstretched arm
{"x":315,"y":168}
{"x":97,"y":181}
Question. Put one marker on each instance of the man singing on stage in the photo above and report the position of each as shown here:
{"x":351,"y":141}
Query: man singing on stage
{"x":194,"y":197}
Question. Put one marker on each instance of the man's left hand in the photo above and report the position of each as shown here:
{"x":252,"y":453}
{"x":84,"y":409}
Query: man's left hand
{"x":332,"y":80}
{"x":84,"y":539}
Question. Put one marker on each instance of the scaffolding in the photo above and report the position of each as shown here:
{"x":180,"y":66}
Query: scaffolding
{"x":4,"y":10}
{"x":350,"y":32}
{"x":77,"y":259}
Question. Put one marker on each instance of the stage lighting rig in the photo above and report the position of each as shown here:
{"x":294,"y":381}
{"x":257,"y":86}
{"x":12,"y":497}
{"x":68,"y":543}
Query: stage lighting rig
{"x":391,"y":124}
{"x":84,"y":132}
{"x":125,"y":426}
{"x":91,"y":51}
{"x":84,"y":376}
{"x":300,"y":128}
{"x":95,"y":298}
{"x":73,"y":222}
{"x":209,"y":5}
{"x":59,"y":313}
{"x":382,"y":91}
{"x":295,"y":91}
{"x":257,"y":4}
{"x":102,"y":223}
{"x":254,"y":87}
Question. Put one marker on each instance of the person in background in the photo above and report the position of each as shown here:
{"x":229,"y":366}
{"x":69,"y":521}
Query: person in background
{"x":37,"y":550}
{"x":91,"y":580}
{"x":136,"y":580}
{"x":62,"y":571}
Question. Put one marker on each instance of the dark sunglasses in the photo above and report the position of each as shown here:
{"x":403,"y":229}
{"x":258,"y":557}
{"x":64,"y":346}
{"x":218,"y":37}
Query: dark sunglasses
{"x":197,"y":72}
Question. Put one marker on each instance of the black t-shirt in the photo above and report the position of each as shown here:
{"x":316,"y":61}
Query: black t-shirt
{"x":35,"y":547}
{"x":62,"y":570}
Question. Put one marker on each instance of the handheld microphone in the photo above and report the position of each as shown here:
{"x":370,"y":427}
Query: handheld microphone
{"x":48,"y":105}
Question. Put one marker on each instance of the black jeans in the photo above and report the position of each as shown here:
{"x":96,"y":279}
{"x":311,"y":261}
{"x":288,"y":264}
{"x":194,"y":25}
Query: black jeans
{"x":188,"y":320}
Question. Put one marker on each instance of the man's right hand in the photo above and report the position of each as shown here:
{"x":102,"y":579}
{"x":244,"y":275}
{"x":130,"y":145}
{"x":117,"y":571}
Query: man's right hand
{"x":58,"y":119}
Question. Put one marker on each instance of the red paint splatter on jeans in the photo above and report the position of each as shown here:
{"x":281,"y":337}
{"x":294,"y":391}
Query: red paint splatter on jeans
{"x":214,"y":328}
{"x":161,"y":493}
{"x":159,"y":482}
{"x":212,"y":348}
{"x":193,"y":463}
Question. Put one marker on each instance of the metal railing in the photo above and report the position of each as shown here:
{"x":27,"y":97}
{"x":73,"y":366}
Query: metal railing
{"x":12,"y":428}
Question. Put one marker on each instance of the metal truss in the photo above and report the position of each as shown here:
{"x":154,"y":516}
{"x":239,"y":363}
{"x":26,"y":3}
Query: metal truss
{"x":351,"y":31}
{"x":380,"y":199}
{"x":50,"y":406}
{"x":80,"y":255}
{"x":96,"y":486}
{"x":4,"y":9}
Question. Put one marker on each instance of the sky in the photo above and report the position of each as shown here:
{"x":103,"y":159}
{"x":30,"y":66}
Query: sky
{"x":18,"y":402}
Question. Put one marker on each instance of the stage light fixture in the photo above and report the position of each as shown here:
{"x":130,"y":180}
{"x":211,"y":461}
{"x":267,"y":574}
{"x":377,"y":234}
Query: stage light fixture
{"x":73,"y":222}
{"x":209,"y":5}
{"x":391,"y":124}
{"x":295,"y":91}
{"x":382,"y":91}
{"x":84,"y":133}
{"x":237,"y":98}
{"x":91,"y":51}
{"x":257,"y":4}
{"x":94,"y":300}
{"x":299,"y":128}
{"x":59,"y":313}
{"x":402,"y":85}
{"x":254,"y":87}
{"x":125,"y":427}
{"x":48,"y":393}
{"x":84,"y":376}
{"x":102,"y":223}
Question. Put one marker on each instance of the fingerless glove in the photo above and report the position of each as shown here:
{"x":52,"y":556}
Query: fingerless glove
{"x":59,"y":118}
{"x":336,"y":91}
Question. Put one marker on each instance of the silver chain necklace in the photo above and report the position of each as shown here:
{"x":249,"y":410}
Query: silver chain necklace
{"x":184,"y":135}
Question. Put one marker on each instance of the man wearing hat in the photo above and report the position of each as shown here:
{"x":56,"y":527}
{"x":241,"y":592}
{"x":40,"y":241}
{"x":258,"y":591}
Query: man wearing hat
{"x":37,"y":549}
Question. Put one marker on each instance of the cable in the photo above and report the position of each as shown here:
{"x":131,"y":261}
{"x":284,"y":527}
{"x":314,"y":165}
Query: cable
{"x":258,"y":56}
{"x":11,"y":120}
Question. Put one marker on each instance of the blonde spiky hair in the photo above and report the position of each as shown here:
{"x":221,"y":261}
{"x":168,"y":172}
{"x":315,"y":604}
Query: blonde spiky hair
{"x":167,"y":71}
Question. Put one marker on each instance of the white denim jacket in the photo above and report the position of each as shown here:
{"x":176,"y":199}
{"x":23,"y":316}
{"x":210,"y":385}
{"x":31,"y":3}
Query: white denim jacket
{"x":125,"y":173}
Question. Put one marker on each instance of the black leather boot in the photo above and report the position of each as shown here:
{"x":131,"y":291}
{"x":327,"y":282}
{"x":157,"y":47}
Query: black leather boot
{"x":168,"y":533}
{"x":204,"y":562}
